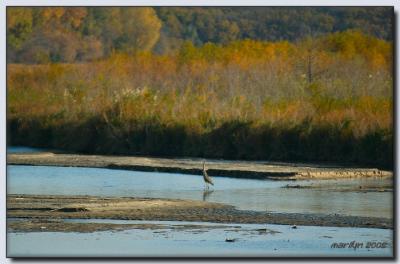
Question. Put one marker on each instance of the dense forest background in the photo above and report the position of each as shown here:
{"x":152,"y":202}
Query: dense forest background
{"x":40,"y":35}
{"x":284,"y":84}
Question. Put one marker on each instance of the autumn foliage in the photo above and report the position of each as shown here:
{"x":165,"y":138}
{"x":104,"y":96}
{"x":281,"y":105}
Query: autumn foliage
{"x":320,"y":99}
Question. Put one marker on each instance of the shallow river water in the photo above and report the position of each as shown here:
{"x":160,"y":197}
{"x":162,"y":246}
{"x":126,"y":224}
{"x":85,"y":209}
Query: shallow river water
{"x":285,"y":241}
{"x":246,"y":194}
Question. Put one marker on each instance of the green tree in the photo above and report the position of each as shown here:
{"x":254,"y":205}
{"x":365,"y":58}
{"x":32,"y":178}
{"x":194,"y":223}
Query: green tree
{"x":229,"y":31}
{"x":105,"y":23}
{"x":19,"y":26}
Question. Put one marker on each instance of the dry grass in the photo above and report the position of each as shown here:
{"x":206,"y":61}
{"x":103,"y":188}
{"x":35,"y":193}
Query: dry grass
{"x":250,"y":100}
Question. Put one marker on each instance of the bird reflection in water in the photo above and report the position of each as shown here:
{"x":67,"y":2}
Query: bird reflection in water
{"x":206,"y":194}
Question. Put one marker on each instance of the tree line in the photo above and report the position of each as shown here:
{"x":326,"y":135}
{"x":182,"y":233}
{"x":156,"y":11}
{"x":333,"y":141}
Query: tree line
{"x":77,"y":34}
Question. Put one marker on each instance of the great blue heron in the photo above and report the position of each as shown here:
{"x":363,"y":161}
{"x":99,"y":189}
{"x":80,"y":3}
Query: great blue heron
{"x":207,"y":179}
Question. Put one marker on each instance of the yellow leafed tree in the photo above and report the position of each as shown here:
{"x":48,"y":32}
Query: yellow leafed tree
{"x":141,"y":28}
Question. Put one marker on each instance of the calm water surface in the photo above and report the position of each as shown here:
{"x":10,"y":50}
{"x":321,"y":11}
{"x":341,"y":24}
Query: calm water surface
{"x":303,"y":241}
{"x":246,"y":194}
{"x":22,"y":149}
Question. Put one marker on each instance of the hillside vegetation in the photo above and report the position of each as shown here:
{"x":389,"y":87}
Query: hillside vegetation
{"x":320,"y":99}
{"x":80,"y":34}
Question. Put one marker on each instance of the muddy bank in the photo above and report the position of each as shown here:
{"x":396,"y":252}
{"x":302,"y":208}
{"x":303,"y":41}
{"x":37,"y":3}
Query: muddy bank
{"x":46,"y":208}
{"x":359,"y":188}
{"x":239,"y":169}
{"x":57,"y":225}
{"x":60,"y":225}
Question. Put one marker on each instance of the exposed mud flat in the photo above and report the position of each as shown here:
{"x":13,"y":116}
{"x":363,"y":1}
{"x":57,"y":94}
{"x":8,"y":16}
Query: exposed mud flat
{"x":360,"y":188}
{"x":45,"y":209}
{"x":59,"y":225}
{"x":45,"y":225}
{"x":240,"y":169}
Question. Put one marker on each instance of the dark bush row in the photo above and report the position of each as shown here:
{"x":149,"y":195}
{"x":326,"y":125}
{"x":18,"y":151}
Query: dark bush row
{"x":303,"y":142}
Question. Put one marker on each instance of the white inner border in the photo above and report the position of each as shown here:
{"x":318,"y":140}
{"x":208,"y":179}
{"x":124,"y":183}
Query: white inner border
{"x":5,"y":3}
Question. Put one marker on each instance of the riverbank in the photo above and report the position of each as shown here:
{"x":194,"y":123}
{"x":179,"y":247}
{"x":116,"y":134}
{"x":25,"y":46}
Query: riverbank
{"x":45,"y":212}
{"x":223,"y":168}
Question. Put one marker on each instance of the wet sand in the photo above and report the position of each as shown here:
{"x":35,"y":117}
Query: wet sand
{"x":45,"y":212}
{"x":239,"y":169}
{"x":365,"y":188}
{"x":58,"y":225}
